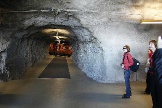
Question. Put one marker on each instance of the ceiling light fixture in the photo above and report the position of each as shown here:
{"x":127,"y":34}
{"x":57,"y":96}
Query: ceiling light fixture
{"x":151,"y":22}
{"x":51,"y":31}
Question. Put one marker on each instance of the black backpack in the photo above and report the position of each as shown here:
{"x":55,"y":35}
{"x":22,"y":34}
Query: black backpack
{"x":135,"y":65}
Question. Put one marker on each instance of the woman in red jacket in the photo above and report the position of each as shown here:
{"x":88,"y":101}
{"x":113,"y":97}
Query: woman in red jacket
{"x":127,"y":62}
{"x":149,"y":64}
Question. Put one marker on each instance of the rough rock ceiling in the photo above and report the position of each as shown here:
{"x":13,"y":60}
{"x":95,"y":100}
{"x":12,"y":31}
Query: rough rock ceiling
{"x":92,"y":12}
{"x":8,"y":4}
{"x":112,"y":9}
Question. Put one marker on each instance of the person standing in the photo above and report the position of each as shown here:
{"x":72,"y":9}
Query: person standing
{"x":150,"y":79}
{"x":157,"y":77}
{"x":126,"y":63}
{"x":149,"y":65}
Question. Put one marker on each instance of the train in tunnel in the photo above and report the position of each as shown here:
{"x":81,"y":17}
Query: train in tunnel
{"x":61,"y":49}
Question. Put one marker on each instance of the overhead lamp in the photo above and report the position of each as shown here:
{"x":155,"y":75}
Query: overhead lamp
{"x":51,"y":31}
{"x":57,"y":37}
{"x":151,"y":22}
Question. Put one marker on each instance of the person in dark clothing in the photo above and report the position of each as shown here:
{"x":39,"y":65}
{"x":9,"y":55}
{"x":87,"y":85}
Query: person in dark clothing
{"x":149,"y":65}
{"x":153,"y":47}
{"x":157,"y":83}
{"x":149,"y":77}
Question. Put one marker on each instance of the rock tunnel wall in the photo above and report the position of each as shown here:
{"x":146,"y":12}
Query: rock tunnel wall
{"x":101,"y":29}
{"x":22,"y":54}
{"x":4,"y":42}
{"x":89,"y":57}
{"x":118,"y":34}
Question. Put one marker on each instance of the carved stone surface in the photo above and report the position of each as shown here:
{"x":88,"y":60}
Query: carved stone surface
{"x":98,"y":31}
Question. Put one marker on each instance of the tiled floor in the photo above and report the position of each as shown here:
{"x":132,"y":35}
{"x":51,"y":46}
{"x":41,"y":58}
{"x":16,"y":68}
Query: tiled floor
{"x":77,"y":92}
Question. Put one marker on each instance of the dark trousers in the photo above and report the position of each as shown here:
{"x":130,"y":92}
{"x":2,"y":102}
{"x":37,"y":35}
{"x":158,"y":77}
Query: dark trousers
{"x":151,"y":88}
{"x":159,"y":94}
{"x":156,"y":94}
{"x":148,"y":83}
{"x":153,"y":92}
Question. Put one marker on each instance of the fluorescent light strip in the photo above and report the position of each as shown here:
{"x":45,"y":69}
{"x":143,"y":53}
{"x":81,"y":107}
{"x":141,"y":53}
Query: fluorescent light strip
{"x":151,"y":22}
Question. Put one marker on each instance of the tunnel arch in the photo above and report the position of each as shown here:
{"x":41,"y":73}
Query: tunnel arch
{"x":87,"y":52}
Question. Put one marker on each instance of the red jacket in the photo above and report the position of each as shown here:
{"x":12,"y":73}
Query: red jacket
{"x":151,"y":65}
{"x":127,"y":60}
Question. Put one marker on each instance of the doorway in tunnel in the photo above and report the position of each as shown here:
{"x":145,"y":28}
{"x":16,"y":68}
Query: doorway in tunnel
{"x":60,"y":47}
{"x":61,"y":40}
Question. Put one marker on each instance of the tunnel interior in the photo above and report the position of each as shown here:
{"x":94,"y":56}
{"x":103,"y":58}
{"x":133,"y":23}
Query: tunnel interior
{"x":30,"y":44}
{"x":23,"y":21}
{"x":96,"y":29}
{"x":33,"y":46}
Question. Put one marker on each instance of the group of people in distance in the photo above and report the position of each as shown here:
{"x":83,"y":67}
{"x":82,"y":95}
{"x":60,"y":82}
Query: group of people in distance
{"x":154,"y":72}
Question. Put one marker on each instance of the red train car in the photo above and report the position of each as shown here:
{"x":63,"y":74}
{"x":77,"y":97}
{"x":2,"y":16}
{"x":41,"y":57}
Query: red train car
{"x":60,"y":49}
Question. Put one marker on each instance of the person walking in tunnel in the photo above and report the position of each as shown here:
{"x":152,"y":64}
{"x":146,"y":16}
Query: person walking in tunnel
{"x":126,"y":63}
{"x":157,"y":76}
{"x":149,"y":66}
